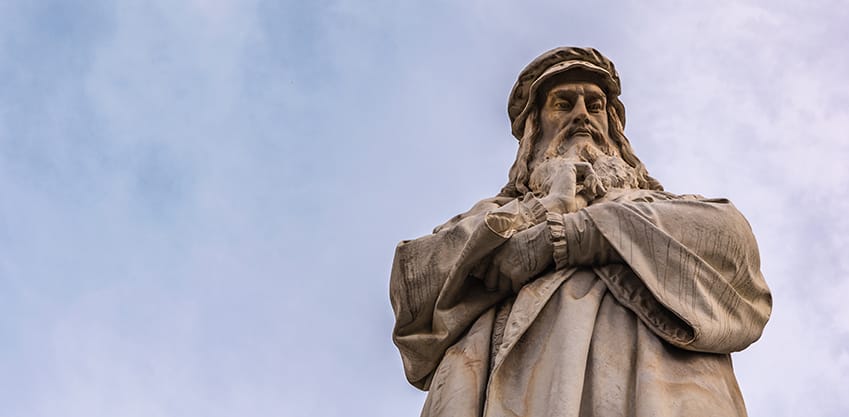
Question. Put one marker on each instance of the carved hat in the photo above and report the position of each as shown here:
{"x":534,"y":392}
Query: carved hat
{"x":557,"y":61}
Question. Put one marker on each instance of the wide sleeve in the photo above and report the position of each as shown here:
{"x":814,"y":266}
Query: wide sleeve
{"x":433,"y":299}
{"x":689,"y":268}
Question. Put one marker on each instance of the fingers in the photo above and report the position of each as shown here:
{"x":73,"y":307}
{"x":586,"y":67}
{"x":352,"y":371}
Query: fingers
{"x":501,"y":281}
{"x":564,"y":181}
{"x":496,"y":280}
{"x":504,"y":266}
{"x":588,"y":180}
{"x":516,"y":285}
{"x":505,"y":284}
{"x":593,"y":185}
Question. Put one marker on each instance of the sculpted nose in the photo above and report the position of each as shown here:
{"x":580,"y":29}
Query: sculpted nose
{"x":580,"y":113}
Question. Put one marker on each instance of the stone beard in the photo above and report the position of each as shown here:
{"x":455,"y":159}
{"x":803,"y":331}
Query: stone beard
{"x":610,"y":170}
{"x":582,"y":289}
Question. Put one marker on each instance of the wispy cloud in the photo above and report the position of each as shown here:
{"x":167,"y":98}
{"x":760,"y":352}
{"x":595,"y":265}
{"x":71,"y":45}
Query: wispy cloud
{"x":200,"y":200}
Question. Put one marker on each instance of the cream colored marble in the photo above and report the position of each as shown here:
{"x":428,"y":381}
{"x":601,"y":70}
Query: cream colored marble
{"x":582,"y":288}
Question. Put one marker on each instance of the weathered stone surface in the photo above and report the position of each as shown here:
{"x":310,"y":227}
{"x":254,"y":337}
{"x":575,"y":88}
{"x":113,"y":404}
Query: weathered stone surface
{"x":582,"y":288}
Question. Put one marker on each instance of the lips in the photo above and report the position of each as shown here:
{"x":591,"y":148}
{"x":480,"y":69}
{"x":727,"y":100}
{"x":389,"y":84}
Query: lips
{"x":580,"y":130}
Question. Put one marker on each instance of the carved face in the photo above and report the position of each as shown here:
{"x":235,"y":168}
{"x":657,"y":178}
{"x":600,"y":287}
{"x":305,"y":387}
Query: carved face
{"x":572,"y":118}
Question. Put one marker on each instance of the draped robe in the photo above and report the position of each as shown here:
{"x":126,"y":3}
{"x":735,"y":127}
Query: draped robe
{"x":648,"y":296}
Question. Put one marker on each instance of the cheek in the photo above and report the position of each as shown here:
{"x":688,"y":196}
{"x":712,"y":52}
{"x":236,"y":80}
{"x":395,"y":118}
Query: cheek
{"x":553,"y":120}
{"x":601,"y":121}
{"x":547,"y":121}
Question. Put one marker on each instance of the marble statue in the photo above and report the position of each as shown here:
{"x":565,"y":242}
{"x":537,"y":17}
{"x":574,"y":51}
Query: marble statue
{"x":582,"y":288}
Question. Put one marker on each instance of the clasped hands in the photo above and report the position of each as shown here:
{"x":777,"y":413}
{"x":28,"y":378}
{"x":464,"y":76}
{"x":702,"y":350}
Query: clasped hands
{"x":562,"y":186}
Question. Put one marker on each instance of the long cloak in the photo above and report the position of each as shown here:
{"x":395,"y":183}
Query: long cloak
{"x":650,"y":294}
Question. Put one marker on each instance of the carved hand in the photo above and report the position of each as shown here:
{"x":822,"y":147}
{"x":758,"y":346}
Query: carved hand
{"x":571,"y":185}
{"x":524,"y":256}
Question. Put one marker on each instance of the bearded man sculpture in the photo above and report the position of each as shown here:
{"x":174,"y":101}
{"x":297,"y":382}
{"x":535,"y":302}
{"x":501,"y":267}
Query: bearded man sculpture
{"x":582,"y":288}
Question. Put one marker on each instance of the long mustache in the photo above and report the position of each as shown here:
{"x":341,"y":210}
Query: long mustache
{"x":595,"y":134}
{"x":559,"y":145}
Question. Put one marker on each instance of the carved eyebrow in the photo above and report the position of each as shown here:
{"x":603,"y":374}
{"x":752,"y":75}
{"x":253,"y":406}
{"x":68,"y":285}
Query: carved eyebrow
{"x":571,"y":94}
{"x":593,"y":95}
{"x":564,"y":94}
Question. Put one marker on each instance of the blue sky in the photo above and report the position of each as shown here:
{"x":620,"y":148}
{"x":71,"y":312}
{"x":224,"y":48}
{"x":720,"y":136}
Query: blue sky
{"x":201,"y":199}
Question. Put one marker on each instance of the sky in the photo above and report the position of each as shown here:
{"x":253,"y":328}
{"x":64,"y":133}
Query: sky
{"x":200,"y":199}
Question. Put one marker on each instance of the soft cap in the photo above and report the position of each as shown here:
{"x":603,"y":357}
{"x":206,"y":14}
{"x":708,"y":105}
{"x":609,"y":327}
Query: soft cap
{"x":554,"y":62}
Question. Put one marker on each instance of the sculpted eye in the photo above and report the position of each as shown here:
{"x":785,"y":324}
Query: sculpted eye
{"x":596,"y":107}
{"x":563,"y":105}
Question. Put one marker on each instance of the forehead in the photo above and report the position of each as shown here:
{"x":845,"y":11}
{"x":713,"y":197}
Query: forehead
{"x":585,"y":88}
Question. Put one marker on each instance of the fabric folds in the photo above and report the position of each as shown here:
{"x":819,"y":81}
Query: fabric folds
{"x":648,"y":295}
